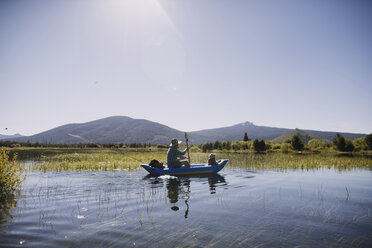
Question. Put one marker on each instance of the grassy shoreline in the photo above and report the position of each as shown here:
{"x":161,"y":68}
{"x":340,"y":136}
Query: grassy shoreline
{"x":106,"y":159}
{"x":194,"y":149}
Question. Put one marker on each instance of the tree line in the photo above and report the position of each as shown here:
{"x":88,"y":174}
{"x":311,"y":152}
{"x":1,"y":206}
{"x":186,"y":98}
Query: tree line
{"x":339,"y":143}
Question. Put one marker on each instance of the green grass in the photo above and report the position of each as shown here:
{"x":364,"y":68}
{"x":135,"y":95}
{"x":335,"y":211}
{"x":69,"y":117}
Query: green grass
{"x":109,"y":159}
{"x":99,"y":160}
{"x":284,"y":161}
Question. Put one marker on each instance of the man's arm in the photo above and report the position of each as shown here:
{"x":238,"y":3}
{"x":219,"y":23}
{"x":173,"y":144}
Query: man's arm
{"x":181,"y":153}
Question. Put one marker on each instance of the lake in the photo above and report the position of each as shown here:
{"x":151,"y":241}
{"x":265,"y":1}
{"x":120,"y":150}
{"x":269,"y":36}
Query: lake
{"x":239,"y":207}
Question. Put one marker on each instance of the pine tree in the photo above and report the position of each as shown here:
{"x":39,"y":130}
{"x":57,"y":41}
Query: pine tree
{"x":369,"y":141}
{"x":349,"y":147}
{"x":339,"y":142}
{"x":259,"y":146}
{"x":246,"y":137}
{"x":297,"y":143}
{"x":217,"y":145}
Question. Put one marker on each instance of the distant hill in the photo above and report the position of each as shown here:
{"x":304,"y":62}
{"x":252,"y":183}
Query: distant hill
{"x":236,"y":132}
{"x":3,"y":136}
{"x":303,"y":135}
{"x":123,"y":129}
{"x":117,"y":129}
{"x":330,"y":135}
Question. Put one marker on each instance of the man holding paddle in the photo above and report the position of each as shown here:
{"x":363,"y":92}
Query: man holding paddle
{"x":175,"y":157}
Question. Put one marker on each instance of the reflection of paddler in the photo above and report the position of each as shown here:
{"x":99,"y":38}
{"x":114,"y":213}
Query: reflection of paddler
{"x":172,"y":187}
{"x":175,"y":187}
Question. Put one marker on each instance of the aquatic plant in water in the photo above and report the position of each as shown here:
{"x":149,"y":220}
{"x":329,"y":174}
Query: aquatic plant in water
{"x":10,"y":173}
{"x":106,"y":160}
{"x":100,"y":160}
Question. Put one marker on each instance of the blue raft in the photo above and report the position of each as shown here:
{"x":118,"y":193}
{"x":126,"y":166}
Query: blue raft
{"x":192,"y":170}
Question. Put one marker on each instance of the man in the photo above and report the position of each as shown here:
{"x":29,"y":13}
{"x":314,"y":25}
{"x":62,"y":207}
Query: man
{"x":174,"y":155}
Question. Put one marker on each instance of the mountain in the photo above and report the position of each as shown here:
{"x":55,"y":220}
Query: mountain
{"x":123,"y":129}
{"x":330,"y":135}
{"x":303,"y":135}
{"x":236,"y":132}
{"x":3,"y":136}
{"x":116,"y":129}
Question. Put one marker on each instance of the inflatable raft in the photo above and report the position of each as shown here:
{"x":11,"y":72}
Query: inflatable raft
{"x":192,"y":170}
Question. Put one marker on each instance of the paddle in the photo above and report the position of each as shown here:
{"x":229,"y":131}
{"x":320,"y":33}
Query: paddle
{"x":187,"y":146}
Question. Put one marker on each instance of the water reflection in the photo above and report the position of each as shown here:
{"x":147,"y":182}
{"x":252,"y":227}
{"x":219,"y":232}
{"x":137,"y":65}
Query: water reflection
{"x":179,"y":188}
{"x":7,"y":203}
{"x":213,"y":180}
{"x":246,"y":208}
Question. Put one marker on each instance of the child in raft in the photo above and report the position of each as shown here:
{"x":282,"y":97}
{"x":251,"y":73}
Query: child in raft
{"x":212,"y":159}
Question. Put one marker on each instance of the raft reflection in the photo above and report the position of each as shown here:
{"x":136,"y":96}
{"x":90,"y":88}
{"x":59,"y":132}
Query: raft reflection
{"x":177,"y":186}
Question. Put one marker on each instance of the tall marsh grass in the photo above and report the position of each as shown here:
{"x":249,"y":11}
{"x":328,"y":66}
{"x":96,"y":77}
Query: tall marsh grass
{"x":10,"y":173}
{"x":103,"y":159}
{"x":284,"y":161}
{"x":99,"y":160}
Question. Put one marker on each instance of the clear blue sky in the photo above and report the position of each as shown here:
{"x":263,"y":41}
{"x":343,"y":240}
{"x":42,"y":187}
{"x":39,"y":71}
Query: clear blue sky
{"x":188,"y":64}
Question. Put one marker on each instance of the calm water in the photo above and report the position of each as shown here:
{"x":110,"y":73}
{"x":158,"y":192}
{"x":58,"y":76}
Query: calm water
{"x":235,"y":208}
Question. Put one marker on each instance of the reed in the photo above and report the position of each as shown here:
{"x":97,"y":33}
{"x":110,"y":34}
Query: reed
{"x":299,"y":161}
{"x":10,"y":173}
{"x":100,"y":160}
{"x":103,"y":160}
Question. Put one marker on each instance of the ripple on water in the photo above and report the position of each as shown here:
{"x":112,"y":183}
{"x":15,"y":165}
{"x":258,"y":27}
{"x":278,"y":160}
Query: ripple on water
{"x":237,"y":208}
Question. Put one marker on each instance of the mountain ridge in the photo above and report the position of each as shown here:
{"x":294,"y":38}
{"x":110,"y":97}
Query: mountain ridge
{"x":124,"y":129}
{"x":5,"y":136}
